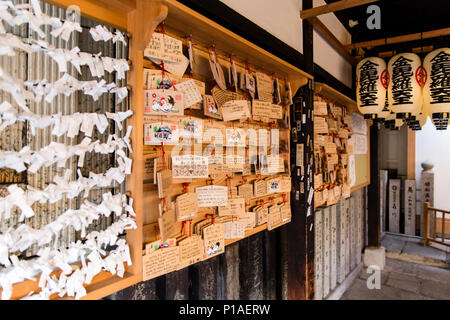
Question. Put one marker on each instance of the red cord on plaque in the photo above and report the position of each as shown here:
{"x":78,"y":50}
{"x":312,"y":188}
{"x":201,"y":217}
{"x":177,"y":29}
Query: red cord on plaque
{"x":272,"y":200}
{"x":229,"y":184}
{"x":185,"y":187}
{"x":183,"y":225}
{"x":210,"y":215}
{"x":284,"y":195}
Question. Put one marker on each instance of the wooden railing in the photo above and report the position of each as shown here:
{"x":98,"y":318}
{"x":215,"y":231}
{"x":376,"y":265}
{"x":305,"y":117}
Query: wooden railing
{"x":429,"y":212}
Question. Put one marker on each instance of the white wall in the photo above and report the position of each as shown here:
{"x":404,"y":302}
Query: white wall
{"x":434,"y":145}
{"x":325,"y":55}
{"x":281,"y":18}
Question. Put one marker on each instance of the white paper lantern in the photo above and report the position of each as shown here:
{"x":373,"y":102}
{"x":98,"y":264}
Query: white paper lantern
{"x":371,"y":84}
{"x":404,"y":89}
{"x":437,"y":86}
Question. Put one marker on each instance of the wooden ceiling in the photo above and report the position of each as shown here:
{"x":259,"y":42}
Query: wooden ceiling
{"x":406,"y":25}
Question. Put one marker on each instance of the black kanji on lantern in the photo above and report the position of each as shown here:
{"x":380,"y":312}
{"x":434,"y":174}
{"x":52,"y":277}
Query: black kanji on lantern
{"x":440,"y":78}
{"x":368,"y":77}
{"x":401,"y":81}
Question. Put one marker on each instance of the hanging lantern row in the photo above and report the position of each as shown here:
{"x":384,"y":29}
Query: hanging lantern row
{"x":405,"y":90}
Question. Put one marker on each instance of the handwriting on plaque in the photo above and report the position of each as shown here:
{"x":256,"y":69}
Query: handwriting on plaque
{"x":160,"y":262}
{"x":233,"y":207}
{"x":186,"y":206}
{"x":164,"y":47}
{"x":248,"y":219}
{"x":234,"y":230}
{"x":212,"y":196}
{"x":189,"y":166}
{"x":168,"y":225}
{"x":235,"y":110}
{"x":191,"y":250}
{"x":261,"y":215}
{"x":264,"y":85}
{"x":261,"y":110}
{"x":260,"y":188}
{"x":164,"y":181}
{"x":190,"y":92}
{"x":274,"y":217}
{"x":320,"y":125}
{"x":245,"y":191}
{"x":320,"y":108}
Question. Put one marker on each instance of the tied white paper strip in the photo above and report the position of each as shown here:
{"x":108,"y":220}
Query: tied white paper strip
{"x":24,"y":199}
{"x":68,"y":85}
{"x":96,"y":63}
{"x":21,"y":238}
{"x":69,"y":282}
{"x":102,"y":33}
{"x":69,"y":124}
{"x":16,"y":88}
{"x":59,"y":153}
{"x":22,"y":13}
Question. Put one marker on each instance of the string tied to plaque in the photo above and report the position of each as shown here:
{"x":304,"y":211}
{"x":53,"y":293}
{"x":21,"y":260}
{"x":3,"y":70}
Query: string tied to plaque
{"x":183,"y":227}
{"x":284,"y":195}
{"x":185,"y":187}
{"x":211,"y":216}
{"x":229,"y":184}
{"x":272,"y":200}
{"x":163,"y":155}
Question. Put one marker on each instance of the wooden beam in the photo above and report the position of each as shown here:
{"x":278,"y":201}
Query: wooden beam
{"x":332,"y":7}
{"x":399,"y":39}
{"x":329,"y":36}
{"x":411,"y":162}
{"x":373,"y":190}
{"x":96,"y":10}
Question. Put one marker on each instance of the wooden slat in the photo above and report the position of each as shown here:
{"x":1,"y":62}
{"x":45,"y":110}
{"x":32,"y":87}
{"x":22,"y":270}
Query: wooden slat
{"x":334,"y":95}
{"x":205,"y":32}
{"x":333,"y":7}
{"x":98,"y":10}
{"x":411,"y":161}
{"x":335,"y":43}
{"x":399,"y":39}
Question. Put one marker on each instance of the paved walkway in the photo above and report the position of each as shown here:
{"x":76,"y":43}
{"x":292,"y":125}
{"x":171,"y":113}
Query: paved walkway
{"x":409,"y":249}
{"x":401,"y":280}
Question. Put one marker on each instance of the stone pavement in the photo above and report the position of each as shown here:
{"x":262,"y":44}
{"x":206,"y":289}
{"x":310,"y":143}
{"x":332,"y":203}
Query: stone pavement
{"x":401,"y":280}
{"x":408,"y":248}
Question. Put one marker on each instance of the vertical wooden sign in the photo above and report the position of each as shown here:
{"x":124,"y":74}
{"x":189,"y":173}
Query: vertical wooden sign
{"x":347,"y":231}
{"x":353,"y":233}
{"x":394,"y":205}
{"x":427,"y":187}
{"x":360,"y":230}
{"x":341,"y":272}
{"x":410,"y":207}
{"x":318,"y":264}
{"x":326,"y":251}
{"x":383,"y":193}
{"x":333,"y":247}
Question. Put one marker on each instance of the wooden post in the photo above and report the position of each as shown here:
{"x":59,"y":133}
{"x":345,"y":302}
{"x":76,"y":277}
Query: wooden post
{"x":426,"y":223}
{"x":373,"y":210}
{"x":300,"y":232}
